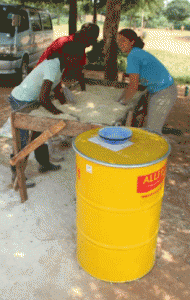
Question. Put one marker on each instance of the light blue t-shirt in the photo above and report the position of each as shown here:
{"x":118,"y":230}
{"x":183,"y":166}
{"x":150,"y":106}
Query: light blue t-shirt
{"x":152,"y":72}
{"x":30,"y":87}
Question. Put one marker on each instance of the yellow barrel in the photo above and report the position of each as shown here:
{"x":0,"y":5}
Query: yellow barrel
{"x":119,"y":198}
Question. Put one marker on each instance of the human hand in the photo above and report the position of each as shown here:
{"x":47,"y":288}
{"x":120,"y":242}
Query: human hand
{"x":122,"y":97}
{"x":121,"y":100}
{"x":57,"y":112}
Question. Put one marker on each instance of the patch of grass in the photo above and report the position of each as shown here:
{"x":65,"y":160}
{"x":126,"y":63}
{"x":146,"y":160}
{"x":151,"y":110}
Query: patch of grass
{"x":177,"y":64}
{"x":182,"y":80}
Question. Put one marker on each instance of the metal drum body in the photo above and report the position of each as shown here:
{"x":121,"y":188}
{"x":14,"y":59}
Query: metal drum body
{"x":118,"y":206}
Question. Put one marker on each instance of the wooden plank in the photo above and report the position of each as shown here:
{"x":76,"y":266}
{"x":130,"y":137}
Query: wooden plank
{"x":37,"y":142}
{"x":101,"y":82}
{"x":72,"y":128}
{"x":129,"y":118}
{"x":15,"y":185}
{"x":19,"y":166}
{"x":116,"y":84}
{"x":22,"y":181}
{"x":15,"y":131}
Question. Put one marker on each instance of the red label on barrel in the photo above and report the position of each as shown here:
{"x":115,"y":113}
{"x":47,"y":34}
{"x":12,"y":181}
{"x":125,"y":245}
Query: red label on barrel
{"x":149,"y":182}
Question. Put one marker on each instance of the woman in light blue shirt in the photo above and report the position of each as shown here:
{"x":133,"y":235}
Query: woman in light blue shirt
{"x":143,"y":68}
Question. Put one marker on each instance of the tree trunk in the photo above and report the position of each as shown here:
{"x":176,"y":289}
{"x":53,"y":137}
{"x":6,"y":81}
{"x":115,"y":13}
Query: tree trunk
{"x":73,"y":17}
{"x":142,"y":20}
{"x":58,"y":15}
{"x":95,"y":12}
{"x":113,"y":10}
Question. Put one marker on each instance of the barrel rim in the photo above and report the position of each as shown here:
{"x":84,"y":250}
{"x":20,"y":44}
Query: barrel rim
{"x":126,"y":166}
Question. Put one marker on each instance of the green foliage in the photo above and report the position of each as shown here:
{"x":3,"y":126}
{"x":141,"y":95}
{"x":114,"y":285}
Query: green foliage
{"x":64,"y":19}
{"x":178,"y":10}
{"x":178,"y":25}
{"x":148,"y":6}
{"x":177,"y":64}
{"x":102,"y":11}
{"x":45,"y":4}
{"x":121,"y":63}
{"x":12,"y":2}
{"x":141,"y":13}
{"x":131,"y":9}
{"x":182,"y":79}
{"x":85,"y":7}
{"x":186,"y":24}
{"x":160,"y":21}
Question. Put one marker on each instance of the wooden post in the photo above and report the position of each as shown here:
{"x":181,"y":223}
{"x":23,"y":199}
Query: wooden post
{"x":37,"y":142}
{"x":95,"y":12}
{"x":19,"y":165}
{"x":20,"y":156}
{"x":113,"y":10}
{"x":15,"y":185}
{"x":129,"y":118}
{"x":72,"y":16}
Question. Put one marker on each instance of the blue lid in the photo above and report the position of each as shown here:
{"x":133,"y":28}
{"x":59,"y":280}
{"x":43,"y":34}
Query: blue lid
{"x":115,"y":134}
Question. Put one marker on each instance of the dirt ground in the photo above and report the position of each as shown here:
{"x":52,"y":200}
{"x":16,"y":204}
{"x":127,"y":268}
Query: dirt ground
{"x":170,"y":277}
{"x":184,"y":38}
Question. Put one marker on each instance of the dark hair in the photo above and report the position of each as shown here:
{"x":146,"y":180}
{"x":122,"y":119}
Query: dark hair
{"x":90,"y":29}
{"x":132,"y":36}
{"x":88,"y":34}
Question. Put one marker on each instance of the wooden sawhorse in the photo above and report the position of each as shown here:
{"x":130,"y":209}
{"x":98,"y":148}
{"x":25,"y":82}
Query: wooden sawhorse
{"x":49,"y":128}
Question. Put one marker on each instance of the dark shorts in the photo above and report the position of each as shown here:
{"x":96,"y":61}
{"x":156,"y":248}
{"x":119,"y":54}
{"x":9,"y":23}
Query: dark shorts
{"x":15,"y":106}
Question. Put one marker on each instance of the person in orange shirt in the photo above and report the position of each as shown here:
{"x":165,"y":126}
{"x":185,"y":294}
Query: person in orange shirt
{"x":37,"y":87}
{"x":86,"y":37}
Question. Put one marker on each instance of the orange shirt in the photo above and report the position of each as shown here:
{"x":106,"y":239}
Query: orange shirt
{"x":56,"y":46}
